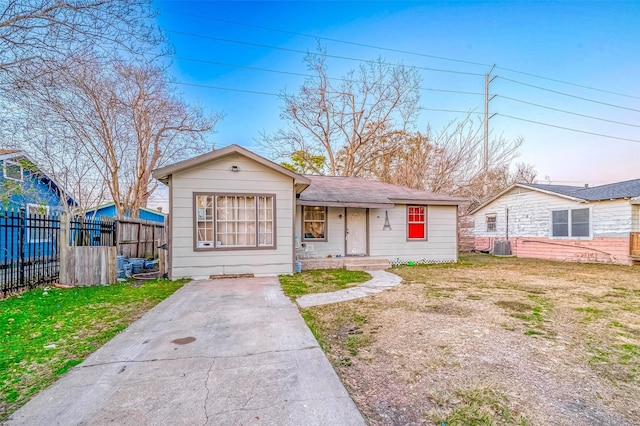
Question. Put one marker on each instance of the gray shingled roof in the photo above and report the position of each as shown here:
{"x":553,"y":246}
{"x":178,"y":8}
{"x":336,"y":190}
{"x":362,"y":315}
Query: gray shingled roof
{"x":354,"y":192}
{"x":612,"y":191}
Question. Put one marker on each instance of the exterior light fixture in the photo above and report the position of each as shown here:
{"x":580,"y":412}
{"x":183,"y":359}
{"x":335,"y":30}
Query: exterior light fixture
{"x":235,"y":168}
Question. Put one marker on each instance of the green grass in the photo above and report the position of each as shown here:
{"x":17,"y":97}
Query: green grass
{"x":537,"y":317}
{"x":321,"y":281}
{"x":46,"y":332}
{"x":351,"y":332}
{"x":312,"y":322}
{"x":478,"y":406}
{"x":590,"y":314}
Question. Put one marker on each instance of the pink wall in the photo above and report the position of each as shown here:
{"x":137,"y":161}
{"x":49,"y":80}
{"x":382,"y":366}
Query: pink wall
{"x":607,"y":250}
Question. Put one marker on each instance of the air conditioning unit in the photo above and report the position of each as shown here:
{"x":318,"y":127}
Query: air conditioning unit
{"x":502,"y":248}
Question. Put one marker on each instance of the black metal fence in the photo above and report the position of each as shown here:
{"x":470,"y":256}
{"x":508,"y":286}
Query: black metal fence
{"x":30,"y":249}
{"x":98,"y":232}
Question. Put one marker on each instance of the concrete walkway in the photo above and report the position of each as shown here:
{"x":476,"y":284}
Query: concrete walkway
{"x":223,"y":352}
{"x":379,"y":282}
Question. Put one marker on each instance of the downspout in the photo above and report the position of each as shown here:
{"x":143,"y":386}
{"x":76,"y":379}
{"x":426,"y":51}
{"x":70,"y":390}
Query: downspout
{"x":507,"y":224}
{"x":510,"y":252}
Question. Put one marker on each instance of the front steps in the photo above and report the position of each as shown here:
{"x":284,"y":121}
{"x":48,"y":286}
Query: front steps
{"x":360,"y":263}
{"x":366,"y":263}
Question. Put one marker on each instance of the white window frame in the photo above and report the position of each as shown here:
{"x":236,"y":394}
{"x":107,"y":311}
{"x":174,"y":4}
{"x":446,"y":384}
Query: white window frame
{"x":570,"y":224}
{"x":323,"y":221}
{"x":422,"y":222}
{"x":260,"y":219}
{"x":45,"y":215}
{"x":494,"y":223}
{"x":6,"y":163}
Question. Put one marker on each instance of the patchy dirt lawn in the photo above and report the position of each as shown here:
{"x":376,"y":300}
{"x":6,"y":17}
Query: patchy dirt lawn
{"x":492,"y":341}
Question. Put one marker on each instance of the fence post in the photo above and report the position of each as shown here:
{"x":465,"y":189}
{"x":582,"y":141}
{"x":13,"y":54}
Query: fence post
{"x":65,"y":273}
{"x":138,"y":245}
{"x":22,"y":235}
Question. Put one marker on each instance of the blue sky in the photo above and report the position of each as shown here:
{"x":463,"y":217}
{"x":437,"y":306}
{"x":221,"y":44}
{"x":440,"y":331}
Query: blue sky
{"x":593,"y":44}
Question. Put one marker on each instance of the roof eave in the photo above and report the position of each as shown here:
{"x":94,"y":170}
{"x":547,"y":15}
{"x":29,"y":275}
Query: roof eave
{"x":299,"y":187}
{"x":10,"y":155}
{"x":524,"y":186}
{"x":453,"y":202}
{"x":64,"y":194}
{"x":162,"y":174}
{"x":352,"y":204}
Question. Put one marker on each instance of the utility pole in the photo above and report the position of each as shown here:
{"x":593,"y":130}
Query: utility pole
{"x":487,"y":99}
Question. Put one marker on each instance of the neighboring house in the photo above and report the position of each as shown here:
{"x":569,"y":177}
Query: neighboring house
{"x":234,"y":212}
{"x":24,"y":185}
{"x":597,"y":224}
{"x":109,"y":210}
{"x":28,"y":197}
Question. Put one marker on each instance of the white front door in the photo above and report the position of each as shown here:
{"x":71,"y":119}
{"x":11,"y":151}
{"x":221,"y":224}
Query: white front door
{"x":356,"y":234}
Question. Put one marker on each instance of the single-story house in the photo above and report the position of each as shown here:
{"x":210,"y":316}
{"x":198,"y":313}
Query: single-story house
{"x":232,"y":211}
{"x":559,"y":222}
{"x":109,"y":210}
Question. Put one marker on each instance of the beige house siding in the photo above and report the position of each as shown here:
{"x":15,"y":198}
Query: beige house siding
{"x":216,"y":176}
{"x":335,"y":232}
{"x":440,"y":245}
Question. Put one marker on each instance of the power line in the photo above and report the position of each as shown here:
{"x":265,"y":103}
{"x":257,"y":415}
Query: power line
{"x":254,"y":92}
{"x":307,"y":75}
{"x":421,"y":88}
{"x":569,"y":95}
{"x":425,"y":109}
{"x":206,"y":86}
{"x":568,"y":83}
{"x":408,"y":66}
{"x":334,"y":40}
{"x":568,"y":112}
{"x":346,"y":58}
{"x":424,"y":68}
{"x":222,"y":64}
{"x":568,"y":128}
{"x":447,"y":110}
{"x":407,"y":52}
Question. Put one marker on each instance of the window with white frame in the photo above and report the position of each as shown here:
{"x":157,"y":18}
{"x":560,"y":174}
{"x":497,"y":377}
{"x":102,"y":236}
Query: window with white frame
{"x":571,"y":223}
{"x":37,"y":223}
{"x":228,"y":221}
{"x":314,"y":224}
{"x":416,"y":222}
{"x":12,"y":170}
{"x":491,"y":223}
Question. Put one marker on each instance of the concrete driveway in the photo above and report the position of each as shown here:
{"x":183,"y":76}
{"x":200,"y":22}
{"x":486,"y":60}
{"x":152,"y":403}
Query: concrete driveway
{"x":222,"y":352}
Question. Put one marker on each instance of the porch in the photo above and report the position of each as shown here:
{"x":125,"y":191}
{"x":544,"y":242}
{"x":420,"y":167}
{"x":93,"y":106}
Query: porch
{"x":356,"y":263}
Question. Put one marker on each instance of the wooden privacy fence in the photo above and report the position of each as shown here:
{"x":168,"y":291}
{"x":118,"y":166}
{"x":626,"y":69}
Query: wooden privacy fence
{"x":87,"y":251}
{"x":634,"y":244}
{"x":139,"y":238}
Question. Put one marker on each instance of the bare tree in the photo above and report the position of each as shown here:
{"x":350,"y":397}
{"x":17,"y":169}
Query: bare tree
{"x":113,"y":126}
{"x":36,"y":33}
{"x":450,"y":161}
{"x":350,"y":121}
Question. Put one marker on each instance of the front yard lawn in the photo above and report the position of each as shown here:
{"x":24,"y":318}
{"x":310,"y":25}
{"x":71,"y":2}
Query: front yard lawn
{"x":45,"y":332}
{"x":501,"y":341}
{"x":321,"y":281}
